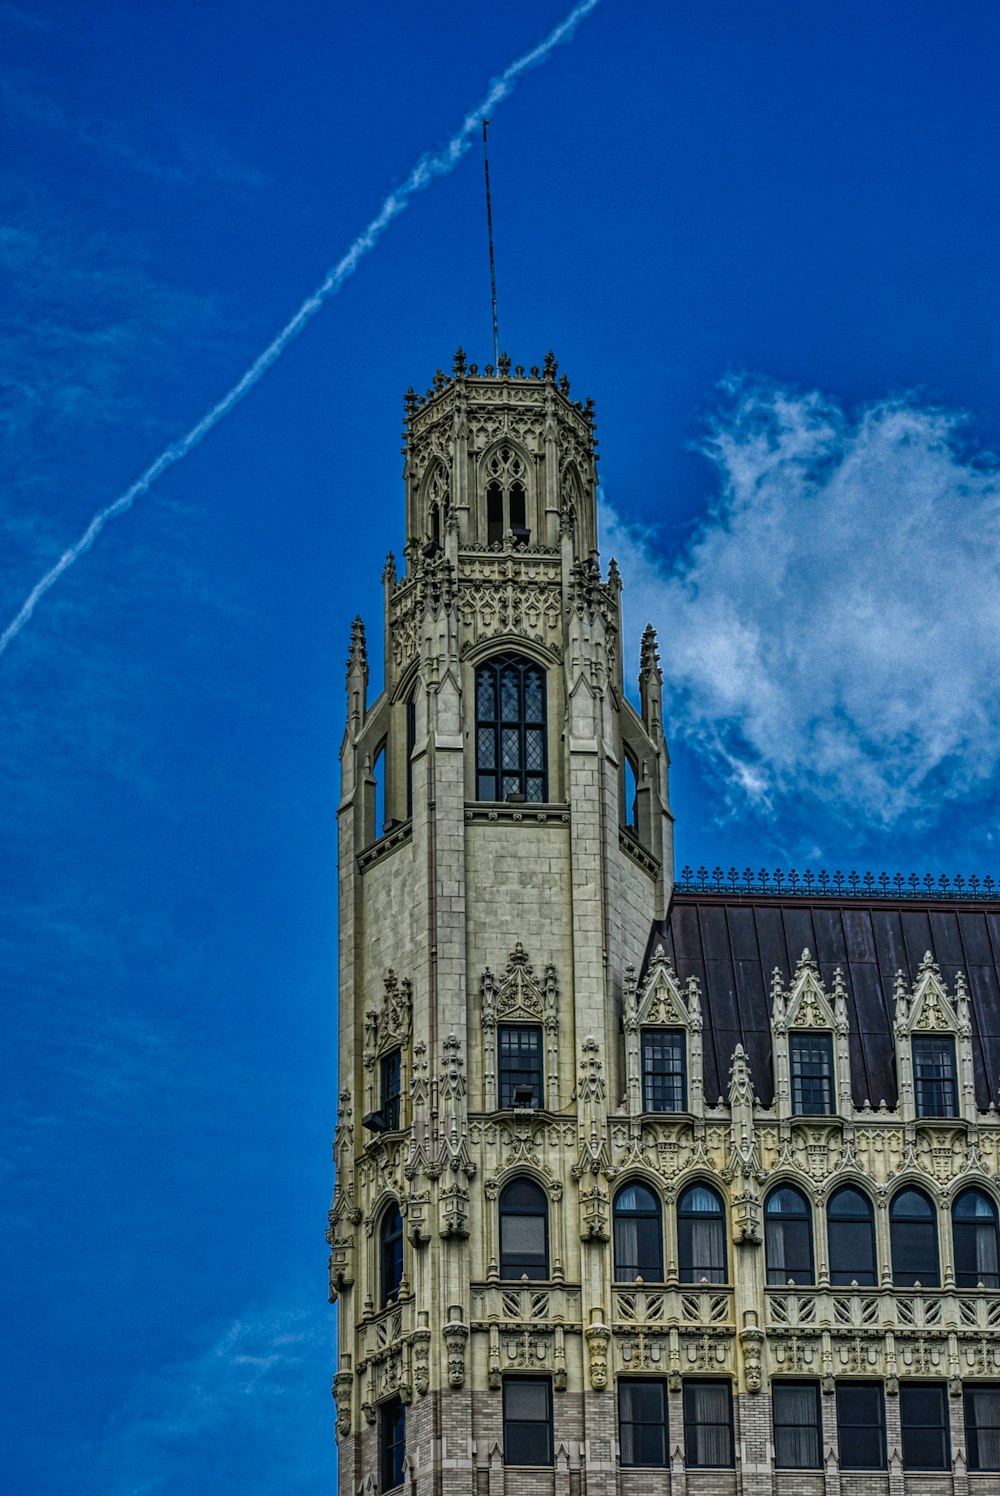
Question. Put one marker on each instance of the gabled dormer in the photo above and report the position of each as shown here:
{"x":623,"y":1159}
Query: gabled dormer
{"x":809,"y":1030}
{"x":933,"y":1035}
{"x":387,"y":1059}
{"x":662,"y":1024}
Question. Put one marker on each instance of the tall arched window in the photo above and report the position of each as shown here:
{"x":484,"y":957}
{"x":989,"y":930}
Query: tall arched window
{"x":390,"y":1246}
{"x":974,"y":1225}
{"x":913,"y":1237}
{"x":788,"y":1236}
{"x":701,"y":1235}
{"x":638,"y":1235}
{"x":524,"y":1230}
{"x":510,"y":729}
{"x":851,"y":1237}
{"x":506,"y":497}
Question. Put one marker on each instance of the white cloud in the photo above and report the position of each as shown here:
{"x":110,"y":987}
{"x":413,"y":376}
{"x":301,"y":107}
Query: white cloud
{"x":833,"y":628}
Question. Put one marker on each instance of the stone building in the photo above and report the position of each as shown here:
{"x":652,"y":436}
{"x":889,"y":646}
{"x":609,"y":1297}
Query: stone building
{"x":641,"y":1186}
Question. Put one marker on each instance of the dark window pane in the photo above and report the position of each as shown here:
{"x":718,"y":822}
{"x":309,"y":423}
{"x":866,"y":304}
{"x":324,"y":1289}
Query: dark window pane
{"x":934,"y":1075}
{"x":519,"y":1054}
{"x":861,"y":1425}
{"x":517,"y":747}
{"x":664,"y":1070}
{"x":389,"y":1075}
{"x":516,"y":506}
{"x":913,"y":1237}
{"x":788,"y":1237}
{"x":708,"y":1424}
{"x":923,"y":1416}
{"x":494,"y":513}
{"x":392,"y":1443}
{"x":982,"y":1427}
{"x":797,"y":1425}
{"x":811,"y":1057}
{"x":642,"y":1422}
{"x":391,"y":1253}
{"x":524,"y":1230}
{"x":701,"y":1233}
{"x":851,"y":1236}
{"x":974,"y":1227}
{"x":638,"y":1232}
{"x":527,"y":1421}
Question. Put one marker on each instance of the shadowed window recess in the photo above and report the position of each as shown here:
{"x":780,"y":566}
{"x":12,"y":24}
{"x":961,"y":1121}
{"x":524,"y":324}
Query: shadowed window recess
{"x":392,"y":1444}
{"x":638,"y":1223}
{"x":913,"y":1237}
{"x":701,"y":1235}
{"x":390,"y":1244}
{"x":974,"y":1230}
{"x":511,"y":752}
{"x":524,"y":1231}
{"x":811,"y":1059}
{"x":798,"y":1426}
{"x":506,"y":496}
{"x":527,"y":1420}
{"x":664,"y":1070}
{"x":861,"y":1425}
{"x":935,"y":1078}
{"x":642,"y":1421}
{"x":851,"y":1238}
{"x":923,"y":1419}
{"x":519,"y":1064}
{"x":788,"y":1237}
{"x":708,"y":1424}
{"x":982,"y":1426}
{"x":390,"y":1070}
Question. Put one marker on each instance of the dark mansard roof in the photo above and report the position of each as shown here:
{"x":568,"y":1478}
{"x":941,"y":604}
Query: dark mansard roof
{"x":732,"y":942}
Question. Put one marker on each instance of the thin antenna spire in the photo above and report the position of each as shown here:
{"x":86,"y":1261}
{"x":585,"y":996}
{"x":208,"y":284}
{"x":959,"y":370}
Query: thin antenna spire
{"x":489,"y":225}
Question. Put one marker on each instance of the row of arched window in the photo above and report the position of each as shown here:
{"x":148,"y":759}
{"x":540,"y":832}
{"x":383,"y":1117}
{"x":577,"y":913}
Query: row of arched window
{"x":523,"y":1209}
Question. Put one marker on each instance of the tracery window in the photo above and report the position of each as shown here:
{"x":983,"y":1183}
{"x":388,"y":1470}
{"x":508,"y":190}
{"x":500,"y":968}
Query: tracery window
{"x":851,"y":1238}
{"x":788,"y":1236}
{"x":524,"y":1230}
{"x":701,"y":1235}
{"x":974,"y":1230}
{"x":638,"y":1222}
{"x":390,"y":1241}
{"x":913,"y":1238}
{"x":506,"y":499}
{"x":511,"y":758}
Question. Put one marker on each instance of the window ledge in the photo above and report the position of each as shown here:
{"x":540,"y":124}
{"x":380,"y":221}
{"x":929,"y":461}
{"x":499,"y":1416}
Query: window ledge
{"x":386,"y":843}
{"x":536,"y":813}
{"x":630,"y":844}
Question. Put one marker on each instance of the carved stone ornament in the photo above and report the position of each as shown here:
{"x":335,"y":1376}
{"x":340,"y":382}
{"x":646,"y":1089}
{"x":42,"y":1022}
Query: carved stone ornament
{"x":387,"y":1025}
{"x":456,"y":1334}
{"x":660,"y":1003}
{"x":597,"y":1337}
{"x":519,"y":996}
{"x":343,"y":1389}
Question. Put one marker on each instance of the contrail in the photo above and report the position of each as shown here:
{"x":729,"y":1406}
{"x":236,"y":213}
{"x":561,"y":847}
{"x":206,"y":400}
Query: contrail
{"x":432,"y":165}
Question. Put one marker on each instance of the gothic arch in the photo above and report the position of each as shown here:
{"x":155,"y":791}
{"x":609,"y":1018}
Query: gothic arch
{"x":507,"y":492}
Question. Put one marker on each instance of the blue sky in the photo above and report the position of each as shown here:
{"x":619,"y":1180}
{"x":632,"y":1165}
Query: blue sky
{"x":763,"y":238}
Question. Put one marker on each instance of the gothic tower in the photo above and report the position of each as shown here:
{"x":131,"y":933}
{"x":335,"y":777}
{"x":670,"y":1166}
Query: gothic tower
{"x":643,"y":1188}
{"x":505,"y":847}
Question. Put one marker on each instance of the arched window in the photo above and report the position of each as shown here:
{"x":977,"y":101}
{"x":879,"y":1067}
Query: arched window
{"x":913,"y":1237}
{"x":390,"y":1246}
{"x":974,"y":1224}
{"x":506,"y":496}
{"x":524,"y":1230}
{"x":630,"y":778}
{"x":851,"y":1236}
{"x":788,"y":1237}
{"x":510,"y":730}
{"x":638,"y":1235}
{"x":701,"y":1235}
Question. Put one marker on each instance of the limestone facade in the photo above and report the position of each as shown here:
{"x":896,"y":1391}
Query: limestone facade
{"x":513,"y":1040}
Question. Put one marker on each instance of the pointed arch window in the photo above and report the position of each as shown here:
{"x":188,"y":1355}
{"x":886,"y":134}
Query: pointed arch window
{"x":638,"y":1221}
{"x":390,"y":1244}
{"x":701,"y":1235}
{"x":524,"y":1231}
{"x":974,"y":1227}
{"x":506,"y":496}
{"x":511,"y":757}
{"x":788,"y":1237}
{"x":913,"y":1238}
{"x":851,"y":1238}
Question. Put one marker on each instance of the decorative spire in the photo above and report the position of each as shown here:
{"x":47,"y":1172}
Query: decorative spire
{"x":357,"y":678}
{"x":650,"y":682}
{"x":550,"y":366}
{"x":458,"y":364}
